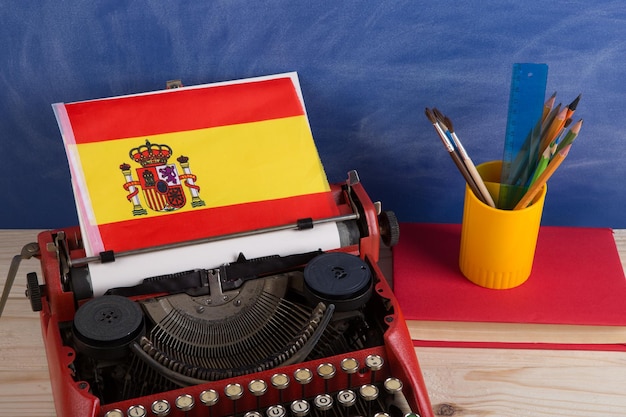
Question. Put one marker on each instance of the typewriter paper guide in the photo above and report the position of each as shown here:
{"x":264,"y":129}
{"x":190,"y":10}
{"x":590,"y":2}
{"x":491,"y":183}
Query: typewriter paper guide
{"x":190,"y":163}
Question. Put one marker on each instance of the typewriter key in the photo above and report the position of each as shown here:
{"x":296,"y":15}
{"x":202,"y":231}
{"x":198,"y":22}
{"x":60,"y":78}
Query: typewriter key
{"x":303,"y":376}
{"x":257,"y":387}
{"x":349,"y":366}
{"x":209,"y":397}
{"x":280,"y":382}
{"x":160,"y":408}
{"x":136,"y":411}
{"x":114,"y":413}
{"x":326,"y":370}
{"x":300,"y":408}
{"x":323,"y":402}
{"x":276,"y":411}
{"x":393,"y":385}
{"x":374,"y":363}
{"x":346,"y":398}
{"x":253,"y":414}
{"x":234,"y":392}
{"x":369,"y":393}
{"x":185,"y":402}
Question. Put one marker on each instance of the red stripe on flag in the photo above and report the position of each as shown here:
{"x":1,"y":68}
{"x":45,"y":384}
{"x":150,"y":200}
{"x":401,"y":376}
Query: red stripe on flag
{"x":191,"y":225}
{"x":182,"y":110}
{"x":155,"y":200}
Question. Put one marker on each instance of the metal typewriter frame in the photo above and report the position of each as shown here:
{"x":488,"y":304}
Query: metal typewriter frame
{"x":73,"y":397}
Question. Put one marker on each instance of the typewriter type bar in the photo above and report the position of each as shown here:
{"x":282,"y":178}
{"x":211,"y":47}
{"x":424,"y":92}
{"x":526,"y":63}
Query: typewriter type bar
{"x":314,"y":334}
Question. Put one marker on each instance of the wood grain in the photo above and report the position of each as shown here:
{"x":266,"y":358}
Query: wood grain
{"x":499,"y":382}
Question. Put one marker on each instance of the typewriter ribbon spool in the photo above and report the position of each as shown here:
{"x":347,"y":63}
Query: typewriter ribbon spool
{"x":104,"y":327}
{"x":340,"y":279}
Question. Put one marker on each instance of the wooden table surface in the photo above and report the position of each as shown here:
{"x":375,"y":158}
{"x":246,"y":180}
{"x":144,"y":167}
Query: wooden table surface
{"x":461,"y":382}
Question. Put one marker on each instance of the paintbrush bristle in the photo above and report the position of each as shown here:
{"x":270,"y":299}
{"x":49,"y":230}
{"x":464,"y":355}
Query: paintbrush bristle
{"x":448,"y":123}
{"x":430,"y":115}
{"x":438,"y":114}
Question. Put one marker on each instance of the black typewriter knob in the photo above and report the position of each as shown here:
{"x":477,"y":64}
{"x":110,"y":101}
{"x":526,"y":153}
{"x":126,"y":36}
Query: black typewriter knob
{"x":389,"y":228}
{"x":34,"y":291}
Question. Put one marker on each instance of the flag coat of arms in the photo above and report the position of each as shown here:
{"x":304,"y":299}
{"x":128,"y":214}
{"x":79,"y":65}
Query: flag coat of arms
{"x":161,"y":187}
{"x":192,"y":163}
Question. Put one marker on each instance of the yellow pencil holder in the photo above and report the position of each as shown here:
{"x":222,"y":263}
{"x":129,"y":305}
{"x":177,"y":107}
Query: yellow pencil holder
{"x":498,"y":246}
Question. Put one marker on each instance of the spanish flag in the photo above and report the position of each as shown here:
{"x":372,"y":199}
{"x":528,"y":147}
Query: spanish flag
{"x":191,"y":163}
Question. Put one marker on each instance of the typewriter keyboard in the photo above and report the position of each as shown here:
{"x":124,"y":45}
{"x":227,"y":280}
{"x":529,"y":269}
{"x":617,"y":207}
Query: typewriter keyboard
{"x":345,"y":387}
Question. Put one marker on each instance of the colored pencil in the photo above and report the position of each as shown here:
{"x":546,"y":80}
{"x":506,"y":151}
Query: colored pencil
{"x":543,"y":163}
{"x":454,"y":155}
{"x":547,"y":107}
{"x":548,"y":119}
{"x":570,"y":136}
{"x":561,"y":135}
{"x":571,"y":108}
{"x":552,"y":131}
{"x":556,"y":161}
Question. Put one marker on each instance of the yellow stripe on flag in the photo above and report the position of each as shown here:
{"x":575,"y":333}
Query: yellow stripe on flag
{"x":233,"y":164}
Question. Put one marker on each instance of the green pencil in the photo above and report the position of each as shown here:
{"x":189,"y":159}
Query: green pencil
{"x":570,"y":136}
{"x":543,"y":163}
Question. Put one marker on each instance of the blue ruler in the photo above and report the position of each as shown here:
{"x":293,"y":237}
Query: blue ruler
{"x":526,"y":99}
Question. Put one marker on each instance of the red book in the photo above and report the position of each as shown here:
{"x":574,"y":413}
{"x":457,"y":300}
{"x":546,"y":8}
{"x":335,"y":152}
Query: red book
{"x":574,"y":298}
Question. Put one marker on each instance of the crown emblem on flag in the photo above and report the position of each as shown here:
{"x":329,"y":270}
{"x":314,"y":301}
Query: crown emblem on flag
{"x":150,"y":154}
{"x":163,"y":184}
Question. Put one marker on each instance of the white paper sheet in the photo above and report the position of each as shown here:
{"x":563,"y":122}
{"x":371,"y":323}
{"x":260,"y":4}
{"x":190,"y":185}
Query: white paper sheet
{"x":131,"y":270}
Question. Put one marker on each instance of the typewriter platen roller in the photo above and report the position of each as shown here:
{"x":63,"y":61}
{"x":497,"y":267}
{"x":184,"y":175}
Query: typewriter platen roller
{"x":316,"y":333}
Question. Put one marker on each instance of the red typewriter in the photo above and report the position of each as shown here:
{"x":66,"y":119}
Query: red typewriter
{"x":313,"y":333}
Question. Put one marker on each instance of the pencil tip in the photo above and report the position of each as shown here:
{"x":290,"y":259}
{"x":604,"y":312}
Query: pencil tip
{"x":572,"y":106}
{"x":576,"y":128}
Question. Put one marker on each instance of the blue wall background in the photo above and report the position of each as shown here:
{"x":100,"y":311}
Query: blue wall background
{"x":367,"y":70}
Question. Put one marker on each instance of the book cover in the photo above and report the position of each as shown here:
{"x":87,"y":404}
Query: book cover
{"x":576,"y":293}
{"x":191,"y":163}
